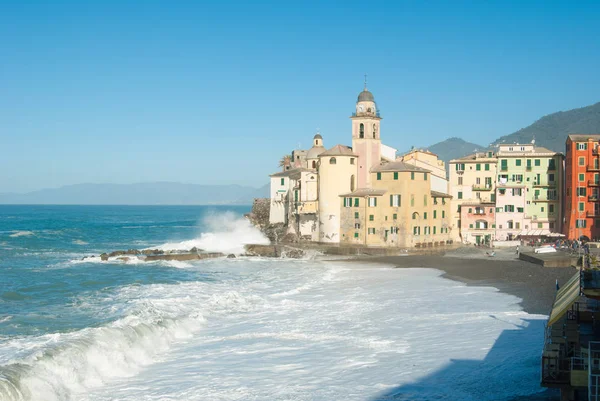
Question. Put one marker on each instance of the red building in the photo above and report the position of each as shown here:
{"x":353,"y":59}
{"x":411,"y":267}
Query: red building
{"x":582,"y":184}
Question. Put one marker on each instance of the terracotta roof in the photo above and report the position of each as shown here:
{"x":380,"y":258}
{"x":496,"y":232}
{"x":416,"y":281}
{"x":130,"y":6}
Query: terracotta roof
{"x":338,"y":150}
{"x":292,"y":171}
{"x":584,"y":137}
{"x":366,"y":192}
{"x":440,"y":194}
{"x":478,"y":156}
{"x":398,"y":166}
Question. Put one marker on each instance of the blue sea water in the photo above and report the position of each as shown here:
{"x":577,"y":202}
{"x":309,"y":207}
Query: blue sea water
{"x":73,"y":327}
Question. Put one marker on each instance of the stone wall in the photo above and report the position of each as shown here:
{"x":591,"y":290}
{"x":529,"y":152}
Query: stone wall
{"x":259,"y":217}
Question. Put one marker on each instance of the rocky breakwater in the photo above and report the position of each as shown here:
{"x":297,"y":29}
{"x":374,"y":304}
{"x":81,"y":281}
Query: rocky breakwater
{"x":152,"y":255}
{"x":274,"y":251}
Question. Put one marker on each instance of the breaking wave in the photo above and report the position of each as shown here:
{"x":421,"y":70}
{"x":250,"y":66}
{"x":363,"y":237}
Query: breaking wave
{"x":64,"y":366}
{"x":17,"y":234}
{"x":225,"y":232}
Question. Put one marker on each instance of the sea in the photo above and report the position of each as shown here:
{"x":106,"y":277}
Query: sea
{"x":74,"y":327}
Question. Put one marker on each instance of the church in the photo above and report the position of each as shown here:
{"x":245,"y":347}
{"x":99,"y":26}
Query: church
{"x":363,"y":194}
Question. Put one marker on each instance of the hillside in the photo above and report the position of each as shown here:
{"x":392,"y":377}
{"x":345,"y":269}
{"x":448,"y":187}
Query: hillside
{"x":152,"y":193}
{"x":454,"y":148}
{"x":551,"y":131}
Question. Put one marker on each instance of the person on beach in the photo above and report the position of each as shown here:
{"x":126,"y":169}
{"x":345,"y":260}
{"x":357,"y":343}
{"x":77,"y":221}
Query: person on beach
{"x":517,"y":250}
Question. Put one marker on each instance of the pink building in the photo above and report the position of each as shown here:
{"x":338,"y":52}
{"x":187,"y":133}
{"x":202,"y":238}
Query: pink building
{"x":510,"y":206}
{"x":477,"y":218}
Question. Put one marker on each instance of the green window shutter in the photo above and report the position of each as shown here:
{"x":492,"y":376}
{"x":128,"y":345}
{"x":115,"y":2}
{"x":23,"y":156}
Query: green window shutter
{"x":517,"y":162}
{"x":434,"y":229}
{"x":395,"y":216}
{"x":412,"y":175}
{"x":375,"y":202}
{"x":395,"y":175}
{"x":470,"y":225}
{"x":538,"y":162}
{"x":425,"y":176}
{"x":478,"y":167}
{"x":528,"y":162}
{"x":443,"y":214}
{"x":460,"y":195}
{"x":425,"y":216}
{"x":504,"y":164}
{"x":378,"y":176}
{"x":283,"y":181}
{"x":371,"y":217}
{"x":355,"y":235}
{"x":356,"y":215}
{"x":487,"y":167}
{"x":296,"y":196}
{"x":435,"y":214}
{"x":391,"y":200}
{"x":356,"y":202}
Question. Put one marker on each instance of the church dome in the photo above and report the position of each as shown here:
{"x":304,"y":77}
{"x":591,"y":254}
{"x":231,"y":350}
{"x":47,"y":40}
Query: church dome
{"x":318,"y":136}
{"x":315,"y":151}
{"x":365,"y":96}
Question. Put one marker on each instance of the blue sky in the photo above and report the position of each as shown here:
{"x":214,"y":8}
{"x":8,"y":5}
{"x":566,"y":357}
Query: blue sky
{"x":217,"y":92}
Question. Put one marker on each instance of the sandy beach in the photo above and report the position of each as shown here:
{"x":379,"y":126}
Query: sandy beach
{"x":534,"y":284}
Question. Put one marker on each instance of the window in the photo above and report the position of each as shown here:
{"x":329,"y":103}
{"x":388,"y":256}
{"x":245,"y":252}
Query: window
{"x":443,"y":214}
{"x":332,"y":160}
{"x":581,"y":191}
{"x":551,"y":164}
{"x":395,"y":200}
{"x":460,"y":180}
{"x":470,"y":210}
{"x":372,"y":202}
{"x":357,"y":225}
{"x":395,"y":216}
{"x":362,"y":131}
{"x":424,"y":200}
{"x":283,"y":181}
{"x":582,"y":146}
{"x":537,"y":162}
{"x":499,"y":209}
{"x":517,"y":162}
{"x":378,"y":176}
{"x":424,"y":215}
{"x":415,"y":215}
{"x":487,"y":167}
{"x":416,"y":230}
{"x":552,"y":194}
{"x":425,"y":176}
{"x":581,"y":177}
{"x":509,"y":208}
{"x":371,"y":217}
{"x":314,"y":163}
{"x":352,"y":160}
{"x":435,"y":214}
{"x":550,"y":208}
{"x":503,"y":164}
{"x":394,"y":230}
{"x":352,"y":183}
{"x":580,"y":223}
{"x":470,"y":225}
{"x":395,"y":175}
{"x":347,"y":202}
{"x":517,"y":191}
{"x":460,"y":195}
{"x":478,"y":167}
{"x":434,"y":230}
{"x":581,"y":206}
{"x":412,"y":200}
{"x":550,"y":178}
{"x":374,"y":131}
{"x":542,"y":209}
{"x":540,"y":225}
{"x":582,"y":161}
{"x":529,"y":163}
{"x":356,"y":202}
{"x":460,"y":167}
{"x":551,"y":224}
{"x":371,"y":230}
{"x":355,"y":235}
{"x":520,"y":210}
{"x":412,"y":175}
{"x":356,"y":216}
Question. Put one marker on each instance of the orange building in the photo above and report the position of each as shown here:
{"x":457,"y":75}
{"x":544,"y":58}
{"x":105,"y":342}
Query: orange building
{"x":582,"y":184}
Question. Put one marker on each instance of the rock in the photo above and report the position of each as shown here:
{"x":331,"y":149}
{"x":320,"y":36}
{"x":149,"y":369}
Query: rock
{"x":116,"y":253}
{"x":124,"y":258}
{"x":149,"y":251}
{"x":195,"y":250}
{"x":268,"y":251}
{"x":290,"y":238}
{"x":104,"y":257}
{"x":293,"y":253}
{"x":132,"y":252}
{"x":231,"y":256}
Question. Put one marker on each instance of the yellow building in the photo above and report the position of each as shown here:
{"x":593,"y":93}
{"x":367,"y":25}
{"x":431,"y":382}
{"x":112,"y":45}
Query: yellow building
{"x":399,"y":210}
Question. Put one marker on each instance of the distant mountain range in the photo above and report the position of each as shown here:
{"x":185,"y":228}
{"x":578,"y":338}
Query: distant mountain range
{"x":549,"y":131}
{"x":149,"y":193}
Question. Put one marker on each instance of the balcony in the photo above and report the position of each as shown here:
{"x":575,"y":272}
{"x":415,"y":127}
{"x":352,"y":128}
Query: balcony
{"x":593,"y":183}
{"x":367,"y":113}
{"x":593,"y":168}
{"x":481,"y":187}
{"x":306,"y":207}
{"x":595,"y":151}
{"x":547,"y":185}
{"x":593,"y":198}
{"x":480,"y":212}
{"x":593,"y":213}
{"x":541,"y":198}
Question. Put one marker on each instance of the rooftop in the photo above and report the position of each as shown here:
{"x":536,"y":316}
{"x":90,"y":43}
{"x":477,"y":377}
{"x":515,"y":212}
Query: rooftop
{"x":338,"y":150}
{"x":292,"y":171}
{"x":366,"y":192}
{"x":584,"y":137}
{"x":398,"y":166}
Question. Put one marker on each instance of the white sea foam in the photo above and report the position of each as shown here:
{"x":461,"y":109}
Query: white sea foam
{"x":79,"y":242}
{"x":282,"y":330}
{"x":16,"y":234}
{"x":225,"y":232}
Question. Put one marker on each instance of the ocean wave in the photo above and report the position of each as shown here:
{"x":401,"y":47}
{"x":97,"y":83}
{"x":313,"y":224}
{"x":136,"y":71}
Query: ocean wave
{"x":64,"y":366}
{"x":79,"y":242}
{"x":226,"y":233}
{"x":16,"y":234}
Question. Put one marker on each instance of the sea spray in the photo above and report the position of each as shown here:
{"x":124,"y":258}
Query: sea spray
{"x":221,"y":232}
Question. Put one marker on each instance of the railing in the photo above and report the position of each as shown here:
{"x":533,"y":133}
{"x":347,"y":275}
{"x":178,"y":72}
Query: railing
{"x":479,"y":187}
{"x":593,"y":213}
{"x":366,"y":113}
{"x":593,"y":183}
{"x":595,"y":151}
{"x":550,"y":184}
{"x":593,"y":168}
{"x":593,"y":198}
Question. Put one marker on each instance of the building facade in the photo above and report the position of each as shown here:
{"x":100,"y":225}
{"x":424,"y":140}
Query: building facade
{"x":473,"y":187}
{"x":582,"y":187}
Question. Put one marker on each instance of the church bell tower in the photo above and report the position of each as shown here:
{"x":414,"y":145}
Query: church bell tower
{"x":366,"y":140}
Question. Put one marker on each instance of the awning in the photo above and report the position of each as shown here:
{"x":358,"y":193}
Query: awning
{"x":534,"y":233}
{"x":565,"y":298}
